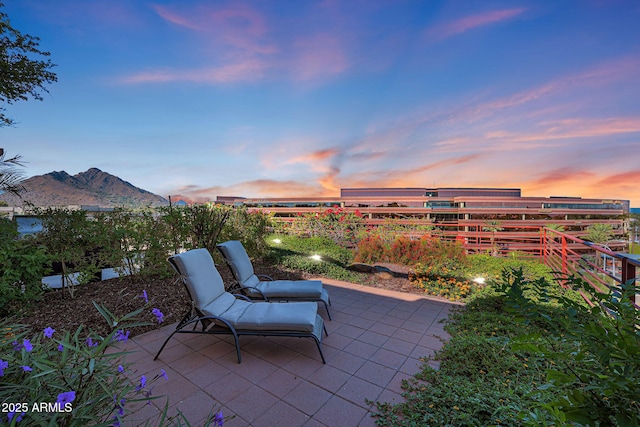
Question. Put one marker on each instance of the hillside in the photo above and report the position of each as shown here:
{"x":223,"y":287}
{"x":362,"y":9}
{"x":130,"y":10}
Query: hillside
{"x":92,"y":187}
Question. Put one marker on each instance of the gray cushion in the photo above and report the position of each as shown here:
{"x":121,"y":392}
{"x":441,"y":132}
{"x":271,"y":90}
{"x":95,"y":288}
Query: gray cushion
{"x":266,"y":316}
{"x":207,"y":290}
{"x":311,"y":289}
{"x":239,"y":262}
{"x":202,"y":279}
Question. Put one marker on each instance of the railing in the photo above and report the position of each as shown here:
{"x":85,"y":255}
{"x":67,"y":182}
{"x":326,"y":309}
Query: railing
{"x":599,"y":266}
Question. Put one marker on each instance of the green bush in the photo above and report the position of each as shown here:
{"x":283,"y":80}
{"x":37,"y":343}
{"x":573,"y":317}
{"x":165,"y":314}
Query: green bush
{"x":22,"y":270}
{"x":530,"y":354}
{"x":140,"y":241}
{"x":595,"y":350}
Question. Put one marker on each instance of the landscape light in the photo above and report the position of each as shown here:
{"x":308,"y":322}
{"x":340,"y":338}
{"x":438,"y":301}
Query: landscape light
{"x":316,"y":257}
{"x":277,"y":241}
{"x":479,"y":280}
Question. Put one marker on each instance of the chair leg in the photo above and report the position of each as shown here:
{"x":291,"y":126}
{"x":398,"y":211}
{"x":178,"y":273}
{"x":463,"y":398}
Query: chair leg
{"x":165,"y":343}
{"x":320,"y":349}
{"x":235,"y":338}
{"x":326,"y":307}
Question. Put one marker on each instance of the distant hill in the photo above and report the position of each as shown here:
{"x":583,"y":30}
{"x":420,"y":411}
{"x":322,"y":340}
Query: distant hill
{"x":92,"y":187}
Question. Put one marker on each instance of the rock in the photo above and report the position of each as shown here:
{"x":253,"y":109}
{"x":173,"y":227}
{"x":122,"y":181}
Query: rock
{"x":360,"y":267}
{"x":383,"y":272}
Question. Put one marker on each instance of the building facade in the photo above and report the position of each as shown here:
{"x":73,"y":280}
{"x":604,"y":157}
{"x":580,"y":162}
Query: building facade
{"x":459,"y":211}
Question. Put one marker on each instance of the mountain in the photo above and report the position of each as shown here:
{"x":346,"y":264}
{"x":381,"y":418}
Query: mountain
{"x":92,"y":187}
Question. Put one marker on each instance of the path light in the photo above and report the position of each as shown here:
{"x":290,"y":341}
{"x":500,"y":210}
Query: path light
{"x":277,"y":241}
{"x":479,"y":280}
{"x":316,"y":257}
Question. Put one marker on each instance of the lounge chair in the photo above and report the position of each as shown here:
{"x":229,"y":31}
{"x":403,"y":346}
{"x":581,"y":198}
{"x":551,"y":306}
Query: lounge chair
{"x":266,"y":288}
{"x":220,"y":312}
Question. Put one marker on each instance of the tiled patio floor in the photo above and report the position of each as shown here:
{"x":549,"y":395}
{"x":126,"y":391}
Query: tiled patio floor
{"x":375,"y":340}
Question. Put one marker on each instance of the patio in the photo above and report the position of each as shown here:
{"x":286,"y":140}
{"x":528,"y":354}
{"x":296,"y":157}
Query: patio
{"x":376,"y":339}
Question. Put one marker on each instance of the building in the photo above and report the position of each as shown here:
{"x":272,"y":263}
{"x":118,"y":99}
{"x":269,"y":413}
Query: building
{"x":459,"y":212}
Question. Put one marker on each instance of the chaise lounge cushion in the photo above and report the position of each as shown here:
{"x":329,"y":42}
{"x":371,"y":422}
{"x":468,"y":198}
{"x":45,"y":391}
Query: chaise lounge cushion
{"x":207,"y":289}
{"x":242,"y":268}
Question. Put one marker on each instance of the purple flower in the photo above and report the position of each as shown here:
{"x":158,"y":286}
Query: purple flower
{"x":163,"y":373}
{"x":218,"y":420}
{"x":121,"y":335}
{"x":48,"y":332}
{"x":120,"y":368}
{"x":60,"y":347}
{"x":3,"y":365}
{"x":91,"y":343}
{"x":116,"y":422}
{"x":66,"y":397}
{"x":26,"y":344}
{"x":26,"y":368}
{"x":143,"y":383}
{"x":144,"y":296}
{"x":11,"y":414}
{"x":156,"y":312}
{"x":121,"y":407}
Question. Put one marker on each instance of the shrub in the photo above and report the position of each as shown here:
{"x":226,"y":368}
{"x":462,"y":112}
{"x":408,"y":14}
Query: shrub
{"x":595,"y":374}
{"x":371,"y":249}
{"x":22,"y":269}
{"x":73,"y":379}
{"x":335,"y":223}
{"x":404,"y":250}
{"x":482,"y":379}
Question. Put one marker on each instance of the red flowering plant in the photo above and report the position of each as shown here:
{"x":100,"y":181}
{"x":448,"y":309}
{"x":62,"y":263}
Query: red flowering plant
{"x":338,"y":224}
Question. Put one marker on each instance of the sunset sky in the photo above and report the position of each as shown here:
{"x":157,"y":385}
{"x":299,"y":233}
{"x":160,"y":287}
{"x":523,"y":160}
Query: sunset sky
{"x":301,"y":98}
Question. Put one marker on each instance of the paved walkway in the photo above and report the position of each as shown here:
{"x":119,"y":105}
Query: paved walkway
{"x":376,"y":340}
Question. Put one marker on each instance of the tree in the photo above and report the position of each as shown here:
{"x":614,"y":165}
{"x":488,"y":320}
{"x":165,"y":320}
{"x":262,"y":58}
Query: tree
{"x":599,"y":233}
{"x":21,"y":76}
{"x":10,"y":174}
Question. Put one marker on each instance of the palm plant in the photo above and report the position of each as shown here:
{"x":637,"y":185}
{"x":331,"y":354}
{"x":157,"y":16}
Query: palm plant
{"x":599,"y":233}
{"x":11,"y":176}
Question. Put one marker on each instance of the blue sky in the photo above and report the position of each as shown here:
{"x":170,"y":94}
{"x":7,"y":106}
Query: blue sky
{"x":302,"y":98}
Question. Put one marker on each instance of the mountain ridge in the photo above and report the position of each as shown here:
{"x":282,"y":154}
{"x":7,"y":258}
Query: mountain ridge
{"x":91,"y":187}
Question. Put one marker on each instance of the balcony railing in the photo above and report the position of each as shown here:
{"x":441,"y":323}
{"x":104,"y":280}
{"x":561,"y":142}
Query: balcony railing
{"x":598,"y":265}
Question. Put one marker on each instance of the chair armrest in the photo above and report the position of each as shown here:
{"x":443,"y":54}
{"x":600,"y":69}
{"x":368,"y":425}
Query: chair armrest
{"x":240,"y":296}
{"x":243,"y":288}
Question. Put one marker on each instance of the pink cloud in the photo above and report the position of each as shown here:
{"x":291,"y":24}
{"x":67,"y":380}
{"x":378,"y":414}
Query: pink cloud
{"x":627,"y":179}
{"x":174,"y":18}
{"x":317,"y":57}
{"x":250,"y":70}
{"x":467,"y":23}
{"x":315,"y":156}
{"x":239,"y":25}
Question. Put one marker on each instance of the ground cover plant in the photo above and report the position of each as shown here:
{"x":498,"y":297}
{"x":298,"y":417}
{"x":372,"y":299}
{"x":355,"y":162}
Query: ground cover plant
{"x":319,"y":256}
{"x":530,"y":353}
